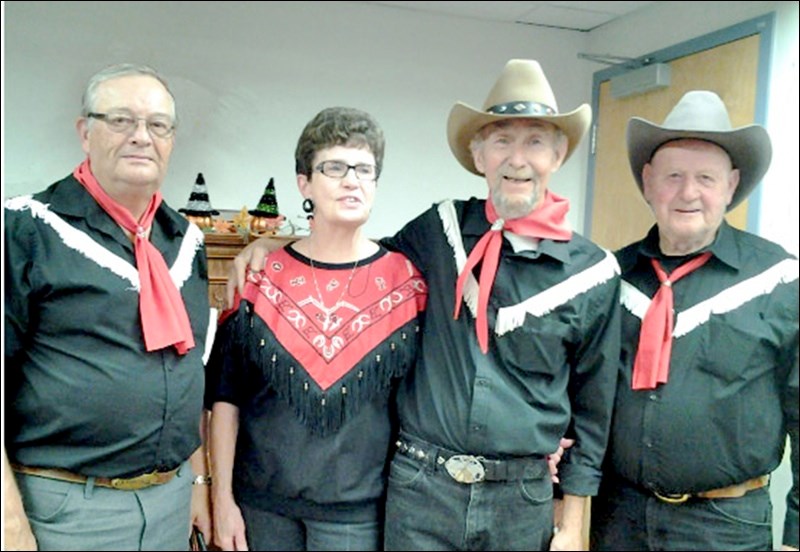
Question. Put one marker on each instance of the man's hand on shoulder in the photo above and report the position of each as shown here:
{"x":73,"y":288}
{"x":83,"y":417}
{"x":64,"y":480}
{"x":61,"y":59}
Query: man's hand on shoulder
{"x":250,"y":258}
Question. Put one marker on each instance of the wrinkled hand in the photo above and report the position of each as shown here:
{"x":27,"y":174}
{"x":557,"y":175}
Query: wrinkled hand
{"x":250,"y":258}
{"x":229,"y":525}
{"x":17,"y":534}
{"x":201,"y":511}
{"x":567,"y":540}
{"x":555,"y":458}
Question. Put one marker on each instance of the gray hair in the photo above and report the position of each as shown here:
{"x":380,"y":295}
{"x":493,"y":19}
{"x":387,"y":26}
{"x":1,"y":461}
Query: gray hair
{"x":116,"y":71}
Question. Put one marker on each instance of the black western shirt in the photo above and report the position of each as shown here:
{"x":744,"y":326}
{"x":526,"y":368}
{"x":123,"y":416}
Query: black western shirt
{"x":81,"y":391}
{"x":732,"y":394}
{"x":553,"y":353}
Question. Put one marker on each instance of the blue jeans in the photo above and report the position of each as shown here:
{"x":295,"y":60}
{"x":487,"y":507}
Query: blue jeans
{"x":269,"y":531}
{"x":426,"y":509}
{"x":80,"y":516}
{"x":628,"y":518}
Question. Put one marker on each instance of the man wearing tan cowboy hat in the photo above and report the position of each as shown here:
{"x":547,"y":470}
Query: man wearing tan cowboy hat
{"x":709,"y":385}
{"x":520,"y":343}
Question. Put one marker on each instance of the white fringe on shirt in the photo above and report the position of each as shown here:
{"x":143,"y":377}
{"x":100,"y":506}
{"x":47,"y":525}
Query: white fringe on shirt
{"x":81,"y":242}
{"x":512,"y":317}
{"x":447,"y":213}
{"x":725,"y":301}
{"x":509,"y":318}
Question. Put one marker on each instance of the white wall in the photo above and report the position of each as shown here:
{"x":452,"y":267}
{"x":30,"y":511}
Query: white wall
{"x":249,"y":75}
{"x":669,"y":23}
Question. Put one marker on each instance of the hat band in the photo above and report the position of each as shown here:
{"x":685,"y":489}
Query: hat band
{"x":521,"y":108}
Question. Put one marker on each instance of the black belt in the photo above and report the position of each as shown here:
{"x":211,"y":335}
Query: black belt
{"x":471,"y":468}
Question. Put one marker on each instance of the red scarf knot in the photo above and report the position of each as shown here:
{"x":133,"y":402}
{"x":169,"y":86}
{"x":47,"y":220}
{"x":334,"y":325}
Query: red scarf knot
{"x":548,"y":221}
{"x":651,"y":365}
{"x":163,"y":314}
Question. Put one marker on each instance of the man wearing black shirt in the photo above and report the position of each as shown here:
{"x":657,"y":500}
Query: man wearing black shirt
{"x":106,"y":314}
{"x":709,"y":385}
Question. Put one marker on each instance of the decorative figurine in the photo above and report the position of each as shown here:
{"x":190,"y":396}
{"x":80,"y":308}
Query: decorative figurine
{"x":265,"y":217}
{"x":198,"y":210}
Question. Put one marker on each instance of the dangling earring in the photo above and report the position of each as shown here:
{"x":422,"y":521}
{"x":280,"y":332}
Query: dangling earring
{"x":308,"y":207}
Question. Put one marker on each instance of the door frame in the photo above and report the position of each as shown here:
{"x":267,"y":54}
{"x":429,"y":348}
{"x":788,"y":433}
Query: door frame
{"x":763,"y":25}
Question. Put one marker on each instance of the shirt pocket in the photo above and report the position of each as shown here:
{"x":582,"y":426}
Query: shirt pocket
{"x":737,"y":347}
{"x":540,"y":346}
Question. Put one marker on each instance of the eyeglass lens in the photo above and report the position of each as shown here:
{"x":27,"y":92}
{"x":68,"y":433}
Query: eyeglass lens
{"x":124,"y":121}
{"x":338,"y":169}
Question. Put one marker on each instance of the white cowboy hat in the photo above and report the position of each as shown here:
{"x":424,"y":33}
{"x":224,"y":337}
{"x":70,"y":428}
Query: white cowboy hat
{"x":521,"y":92}
{"x":701,"y":115}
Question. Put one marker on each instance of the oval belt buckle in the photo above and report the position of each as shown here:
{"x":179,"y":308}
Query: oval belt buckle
{"x":465,"y":468}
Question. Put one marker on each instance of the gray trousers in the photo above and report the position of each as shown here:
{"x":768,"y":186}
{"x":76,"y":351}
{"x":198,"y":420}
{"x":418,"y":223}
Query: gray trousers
{"x":81,"y":516}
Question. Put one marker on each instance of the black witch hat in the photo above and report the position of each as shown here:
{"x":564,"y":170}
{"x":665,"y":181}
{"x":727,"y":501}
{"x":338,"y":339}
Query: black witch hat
{"x":198,"y":205}
{"x":268,"y":205}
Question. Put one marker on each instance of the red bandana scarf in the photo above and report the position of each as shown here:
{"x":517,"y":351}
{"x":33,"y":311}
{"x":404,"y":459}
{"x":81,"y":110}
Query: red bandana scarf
{"x":651,"y":366}
{"x":164,"y":318}
{"x":546,"y":222}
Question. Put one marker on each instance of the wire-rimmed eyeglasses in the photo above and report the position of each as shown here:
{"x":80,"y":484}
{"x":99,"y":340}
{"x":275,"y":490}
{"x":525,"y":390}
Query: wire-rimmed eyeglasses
{"x":338,"y":169}
{"x":125,"y":122}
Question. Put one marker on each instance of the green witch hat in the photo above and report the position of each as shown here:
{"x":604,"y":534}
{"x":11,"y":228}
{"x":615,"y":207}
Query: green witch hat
{"x":268,"y":205}
{"x":198,"y":205}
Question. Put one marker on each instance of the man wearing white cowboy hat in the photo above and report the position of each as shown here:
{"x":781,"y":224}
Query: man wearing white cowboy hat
{"x":709,"y":385}
{"x":534,"y":356}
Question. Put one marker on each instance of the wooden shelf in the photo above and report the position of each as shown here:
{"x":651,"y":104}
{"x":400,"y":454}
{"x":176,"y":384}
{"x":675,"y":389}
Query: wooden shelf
{"x":221,"y":248}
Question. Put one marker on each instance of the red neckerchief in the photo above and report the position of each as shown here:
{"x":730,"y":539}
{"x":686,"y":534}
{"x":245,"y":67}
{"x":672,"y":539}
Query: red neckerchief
{"x":164,"y":318}
{"x":651,"y":366}
{"x":548,"y":221}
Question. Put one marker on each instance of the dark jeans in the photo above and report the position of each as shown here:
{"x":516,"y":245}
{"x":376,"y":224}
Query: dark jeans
{"x":268,"y":531}
{"x":428,"y":510}
{"x":628,"y":518}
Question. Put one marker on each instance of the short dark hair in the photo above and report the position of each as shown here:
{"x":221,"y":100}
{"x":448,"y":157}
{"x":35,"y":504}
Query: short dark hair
{"x":338,"y":126}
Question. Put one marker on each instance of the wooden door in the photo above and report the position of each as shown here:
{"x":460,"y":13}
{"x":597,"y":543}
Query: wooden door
{"x":619,"y":214}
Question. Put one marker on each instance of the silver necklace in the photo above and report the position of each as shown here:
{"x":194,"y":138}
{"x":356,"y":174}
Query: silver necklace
{"x":328,"y":317}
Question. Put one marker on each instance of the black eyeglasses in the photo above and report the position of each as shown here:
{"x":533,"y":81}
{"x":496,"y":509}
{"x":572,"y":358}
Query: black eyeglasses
{"x":124,"y":122}
{"x":338,"y":169}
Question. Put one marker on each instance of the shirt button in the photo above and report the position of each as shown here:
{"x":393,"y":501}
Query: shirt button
{"x":653,"y":397}
{"x":476,"y":428}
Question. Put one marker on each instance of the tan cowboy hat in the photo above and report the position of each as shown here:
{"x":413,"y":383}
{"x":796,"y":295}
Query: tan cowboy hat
{"x":521,"y":92}
{"x":701,"y":115}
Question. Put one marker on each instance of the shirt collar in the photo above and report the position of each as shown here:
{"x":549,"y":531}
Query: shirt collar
{"x":71,"y":199}
{"x":475,"y":224}
{"x":724,"y":246}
